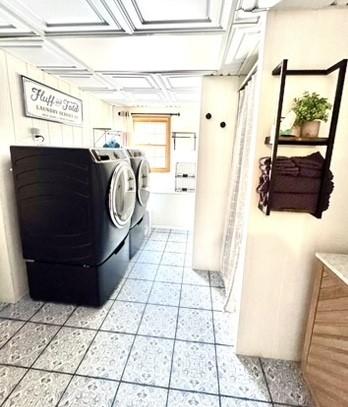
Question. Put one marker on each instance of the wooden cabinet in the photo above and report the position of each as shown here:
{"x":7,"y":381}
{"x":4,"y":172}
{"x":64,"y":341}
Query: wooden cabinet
{"x":325,"y":352}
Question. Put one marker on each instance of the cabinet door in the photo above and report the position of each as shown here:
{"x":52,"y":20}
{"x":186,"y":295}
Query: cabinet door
{"x":326,"y":366}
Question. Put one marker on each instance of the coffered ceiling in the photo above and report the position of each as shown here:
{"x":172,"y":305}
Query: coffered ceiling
{"x":139,"y":52}
{"x":132,"y":52}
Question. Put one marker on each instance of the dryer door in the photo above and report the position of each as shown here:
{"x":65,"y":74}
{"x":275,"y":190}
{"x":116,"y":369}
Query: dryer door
{"x":143,"y":189}
{"x":122,"y":194}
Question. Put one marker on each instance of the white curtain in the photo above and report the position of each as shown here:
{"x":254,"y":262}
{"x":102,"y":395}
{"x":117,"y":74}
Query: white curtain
{"x":232,"y":255}
{"x":124,"y":125}
{"x":127,"y":127}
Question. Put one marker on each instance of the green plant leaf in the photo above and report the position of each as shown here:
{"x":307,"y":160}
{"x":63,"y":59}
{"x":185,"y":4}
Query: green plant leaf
{"x":311,"y":106}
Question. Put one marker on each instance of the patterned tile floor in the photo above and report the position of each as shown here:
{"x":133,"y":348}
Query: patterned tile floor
{"x":162,"y":340}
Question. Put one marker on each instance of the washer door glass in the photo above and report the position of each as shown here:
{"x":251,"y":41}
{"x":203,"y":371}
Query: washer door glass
{"x":122,"y":194}
{"x":143,"y":190}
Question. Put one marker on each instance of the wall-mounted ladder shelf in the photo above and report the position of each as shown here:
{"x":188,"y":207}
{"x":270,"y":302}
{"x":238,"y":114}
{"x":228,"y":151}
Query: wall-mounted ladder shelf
{"x":283,"y":71}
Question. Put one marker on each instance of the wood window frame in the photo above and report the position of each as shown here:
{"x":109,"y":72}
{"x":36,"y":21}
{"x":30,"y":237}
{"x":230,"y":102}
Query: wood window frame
{"x":156,"y":119}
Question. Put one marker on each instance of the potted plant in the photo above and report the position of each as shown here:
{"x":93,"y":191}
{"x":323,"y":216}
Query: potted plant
{"x":310,"y":110}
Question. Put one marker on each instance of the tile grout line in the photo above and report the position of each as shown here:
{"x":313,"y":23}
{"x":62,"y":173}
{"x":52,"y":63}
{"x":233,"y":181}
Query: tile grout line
{"x":26,"y":321}
{"x":124,"y":332}
{"x":43,"y":350}
{"x":176,"y":327}
{"x":136,"y":302}
{"x":170,"y":282}
{"x":113,"y":301}
{"x":151,"y":385}
{"x":136,"y":334}
{"x":36,"y":359}
{"x":215,"y":347}
{"x":124,"y":279}
{"x":28,"y":369}
{"x":265,"y":378}
{"x":45,"y":347}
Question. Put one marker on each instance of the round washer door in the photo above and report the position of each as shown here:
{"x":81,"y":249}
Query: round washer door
{"x":122,"y":194}
{"x":143,"y":189}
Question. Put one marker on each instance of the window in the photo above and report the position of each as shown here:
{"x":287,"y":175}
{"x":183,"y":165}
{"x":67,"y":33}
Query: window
{"x":152,"y":135}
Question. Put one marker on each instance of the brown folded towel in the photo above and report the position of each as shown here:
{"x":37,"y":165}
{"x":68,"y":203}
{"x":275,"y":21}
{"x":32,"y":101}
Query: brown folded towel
{"x":301,"y":202}
{"x":314,"y":161}
{"x":285,"y":183}
{"x":305,"y":202}
{"x":310,"y":172}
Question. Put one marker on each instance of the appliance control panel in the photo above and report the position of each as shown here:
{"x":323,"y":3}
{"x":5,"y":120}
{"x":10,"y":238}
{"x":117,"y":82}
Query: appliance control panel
{"x":108,"y":154}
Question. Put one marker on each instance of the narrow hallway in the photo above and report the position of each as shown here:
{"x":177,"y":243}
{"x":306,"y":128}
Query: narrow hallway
{"x":161,"y":340}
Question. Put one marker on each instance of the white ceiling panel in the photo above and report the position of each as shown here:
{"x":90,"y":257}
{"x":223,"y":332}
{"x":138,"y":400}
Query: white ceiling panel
{"x":169,"y":10}
{"x":123,"y":17}
{"x":184,"y":81}
{"x":83,"y":81}
{"x":242,"y":43}
{"x":153,"y":97}
{"x":41,"y":55}
{"x":68,"y":12}
{"x":186,"y":97}
{"x":301,"y":4}
{"x":104,"y":46}
{"x":63,"y":17}
{"x":174,"y":15}
{"x":147,"y":53}
{"x":134,"y":82}
{"x":12,"y":26}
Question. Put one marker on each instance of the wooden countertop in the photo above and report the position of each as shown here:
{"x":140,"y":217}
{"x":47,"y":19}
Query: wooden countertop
{"x":337,"y":263}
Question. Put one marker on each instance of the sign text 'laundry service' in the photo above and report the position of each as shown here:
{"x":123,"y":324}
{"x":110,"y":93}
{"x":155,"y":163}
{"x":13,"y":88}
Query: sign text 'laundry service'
{"x":44,"y":102}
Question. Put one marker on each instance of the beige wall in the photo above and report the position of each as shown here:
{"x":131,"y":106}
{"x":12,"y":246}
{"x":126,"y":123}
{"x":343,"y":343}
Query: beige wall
{"x":220,"y":98}
{"x":281,"y":247}
{"x":15,"y":129}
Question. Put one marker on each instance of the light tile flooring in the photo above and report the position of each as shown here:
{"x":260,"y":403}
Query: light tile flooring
{"x":162,"y":340}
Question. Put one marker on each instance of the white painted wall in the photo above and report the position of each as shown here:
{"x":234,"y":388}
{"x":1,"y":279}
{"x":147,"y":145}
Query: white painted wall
{"x":15,"y":129}
{"x":168,"y":208}
{"x":281,"y":247}
{"x":172,"y":209}
{"x":220,"y":98}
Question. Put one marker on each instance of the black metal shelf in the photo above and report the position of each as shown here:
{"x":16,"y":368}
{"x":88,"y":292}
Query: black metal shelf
{"x":180,"y":135}
{"x":298,"y":141}
{"x":283,"y":71}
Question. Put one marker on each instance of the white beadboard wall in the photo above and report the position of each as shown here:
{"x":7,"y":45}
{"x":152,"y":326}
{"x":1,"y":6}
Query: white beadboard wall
{"x":15,"y":129}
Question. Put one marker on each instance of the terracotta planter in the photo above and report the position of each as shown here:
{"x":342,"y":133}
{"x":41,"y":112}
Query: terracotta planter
{"x":296,"y":131}
{"x":310,"y":129}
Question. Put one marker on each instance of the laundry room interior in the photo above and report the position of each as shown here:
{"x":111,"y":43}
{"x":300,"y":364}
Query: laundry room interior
{"x":173,"y":203}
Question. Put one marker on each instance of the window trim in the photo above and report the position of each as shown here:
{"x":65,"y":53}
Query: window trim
{"x":156,"y":119}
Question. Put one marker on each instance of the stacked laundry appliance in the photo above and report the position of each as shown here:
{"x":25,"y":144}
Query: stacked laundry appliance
{"x":141,"y":168}
{"x":296,"y":183}
{"x":75,"y":207}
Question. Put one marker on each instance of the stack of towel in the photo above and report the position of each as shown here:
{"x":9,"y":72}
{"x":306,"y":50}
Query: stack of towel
{"x":297,"y":182}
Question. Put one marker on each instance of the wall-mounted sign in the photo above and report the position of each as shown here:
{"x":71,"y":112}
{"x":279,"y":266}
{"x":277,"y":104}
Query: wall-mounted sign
{"x":46,"y":103}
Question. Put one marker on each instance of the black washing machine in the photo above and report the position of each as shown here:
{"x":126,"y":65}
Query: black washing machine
{"x":75,"y":207}
{"x":141,"y":168}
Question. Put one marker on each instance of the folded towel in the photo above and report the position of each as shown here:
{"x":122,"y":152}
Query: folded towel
{"x":310,"y":172}
{"x":314,"y":161}
{"x":301,"y":202}
{"x":285,"y":183}
{"x":296,"y":183}
{"x":280,"y":170}
{"x":286,"y":171}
